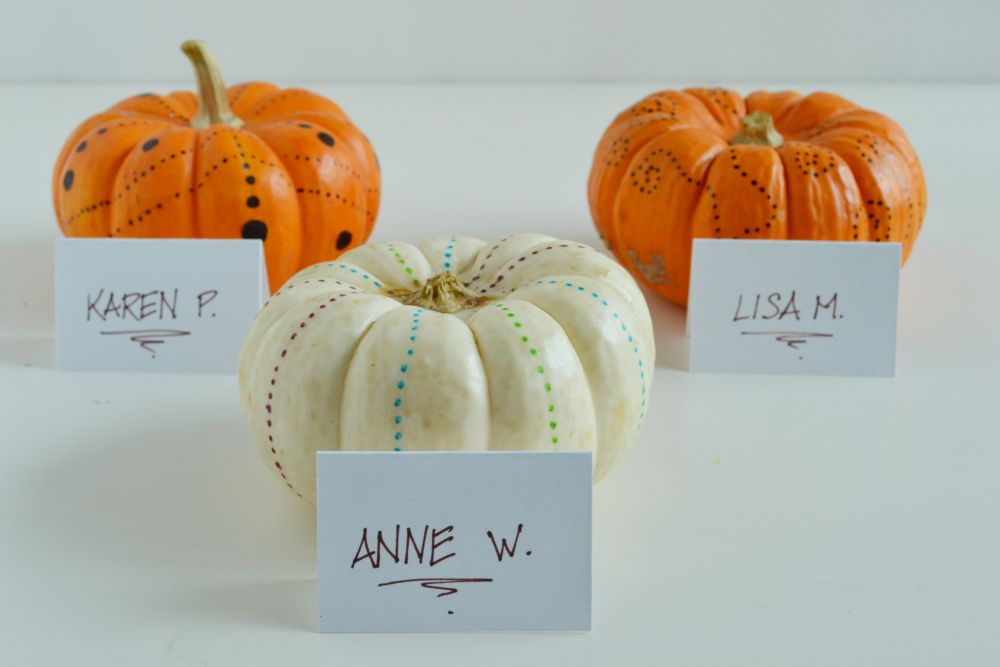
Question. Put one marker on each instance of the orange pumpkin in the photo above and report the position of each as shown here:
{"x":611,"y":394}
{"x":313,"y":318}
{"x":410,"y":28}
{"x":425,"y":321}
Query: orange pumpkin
{"x":252,"y":161}
{"x":707,"y":163}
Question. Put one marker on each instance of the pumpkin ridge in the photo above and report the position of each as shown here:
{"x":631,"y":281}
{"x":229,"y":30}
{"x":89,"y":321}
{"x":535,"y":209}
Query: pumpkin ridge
{"x":577,"y":285}
{"x":169,"y":112}
{"x":547,"y":384}
{"x":792,"y":125}
{"x":257,"y":112}
{"x":836,"y":181}
{"x":353,"y":358}
{"x":761,"y":100}
{"x":529,"y":255}
{"x":285,"y":161}
{"x":314,"y":307}
{"x":728,"y":121}
{"x":403,"y":369}
{"x":279,"y":163}
{"x":187,"y":100}
{"x":891,"y":133}
{"x":117,"y":194}
{"x":116,"y":169}
{"x":235,"y":93}
{"x":520,"y":282}
{"x":83,"y":129}
{"x":346,"y":134}
{"x":244,"y":96}
{"x":194,"y":155}
{"x":491,"y":427}
{"x":882,"y":191}
{"x":104,"y":122}
{"x":601,"y":171}
{"x":684,"y":170}
{"x":791,"y":221}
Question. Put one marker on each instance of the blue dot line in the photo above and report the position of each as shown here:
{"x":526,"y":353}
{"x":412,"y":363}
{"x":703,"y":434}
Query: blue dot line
{"x":448,"y":252}
{"x":635,"y":348}
{"x":397,"y":418}
{"x":352,"y":269}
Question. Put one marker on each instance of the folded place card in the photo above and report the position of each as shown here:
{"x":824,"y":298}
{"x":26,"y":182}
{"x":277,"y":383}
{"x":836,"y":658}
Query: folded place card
{"x":808,"y":307}
{"x":181,"y":305}
{"x":448,"y":541}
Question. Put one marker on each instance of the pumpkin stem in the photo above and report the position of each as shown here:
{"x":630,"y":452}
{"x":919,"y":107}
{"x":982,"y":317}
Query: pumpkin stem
{"x":213,"y":106}
{"x":758,"y":130}
{"x":444,"y":293}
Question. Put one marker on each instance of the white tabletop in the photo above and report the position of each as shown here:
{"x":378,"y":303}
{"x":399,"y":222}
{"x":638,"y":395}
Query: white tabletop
{"x":758,"y":519}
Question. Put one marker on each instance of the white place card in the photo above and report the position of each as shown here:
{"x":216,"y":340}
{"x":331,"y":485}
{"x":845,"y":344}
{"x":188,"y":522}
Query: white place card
{"x":179,"y":305}
{"x":796,"y":307}
{"x":453,"y":541}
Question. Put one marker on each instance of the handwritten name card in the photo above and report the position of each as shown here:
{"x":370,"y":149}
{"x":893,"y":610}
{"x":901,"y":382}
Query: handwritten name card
{"x":797,"y":307}
{"x":180,"y":305}
{"x":453,"y":541}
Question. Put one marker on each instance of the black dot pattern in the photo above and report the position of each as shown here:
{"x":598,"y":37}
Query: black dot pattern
{"x":645,"y":177}
{"x":754,"y":186}
{"x":254,"y":229}
{"x":132,"y":183}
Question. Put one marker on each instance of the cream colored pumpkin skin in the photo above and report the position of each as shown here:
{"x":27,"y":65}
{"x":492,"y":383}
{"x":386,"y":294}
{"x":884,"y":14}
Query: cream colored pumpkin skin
{"x":557,"y":356}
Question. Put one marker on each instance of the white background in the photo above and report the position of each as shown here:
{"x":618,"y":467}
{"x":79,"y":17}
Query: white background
{"x":757,"y":521}
{"x":693,"y":41}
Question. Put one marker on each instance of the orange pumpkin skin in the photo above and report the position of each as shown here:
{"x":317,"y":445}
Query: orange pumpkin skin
{"x":297,"y":174}
{"x":695,"y":163}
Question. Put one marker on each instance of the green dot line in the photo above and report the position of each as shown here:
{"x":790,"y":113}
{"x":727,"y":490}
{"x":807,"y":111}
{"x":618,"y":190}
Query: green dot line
{"x":539,"y":369}
{"x":632,"y":340}
{"x":391,"y":247}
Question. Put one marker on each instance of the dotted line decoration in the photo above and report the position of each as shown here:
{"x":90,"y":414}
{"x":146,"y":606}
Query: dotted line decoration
{"x":654,"y":105}
{"x":449,"y":253}
{"x":318,"y":159}
{"x":171,"y":112}
{"x":397,"y":419}
{"x":735,"y":165}
{"x":391,"y":248}
{"x":646,"y":176}
{"x":253,"y":228}
{"x":721,"y":100}
{"x":486,"y":259}
{"x":539,"y":368}
{"x":269,"y":413}
{"x":511,"y":267}
{"x":236,"y":93}
{"x":354,"y":270}
{"x":640,"y":365}
{"x":69,"y":176}
{"x":267,"y":102}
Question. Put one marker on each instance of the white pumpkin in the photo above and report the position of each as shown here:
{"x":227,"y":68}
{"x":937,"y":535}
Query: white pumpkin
{"x":528,"y":343}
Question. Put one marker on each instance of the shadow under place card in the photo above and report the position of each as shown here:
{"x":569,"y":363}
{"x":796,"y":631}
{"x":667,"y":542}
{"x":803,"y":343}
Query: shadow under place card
{"x":793,"y":307}
{"x":453,"y":541}
{"x":177,"y":305}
